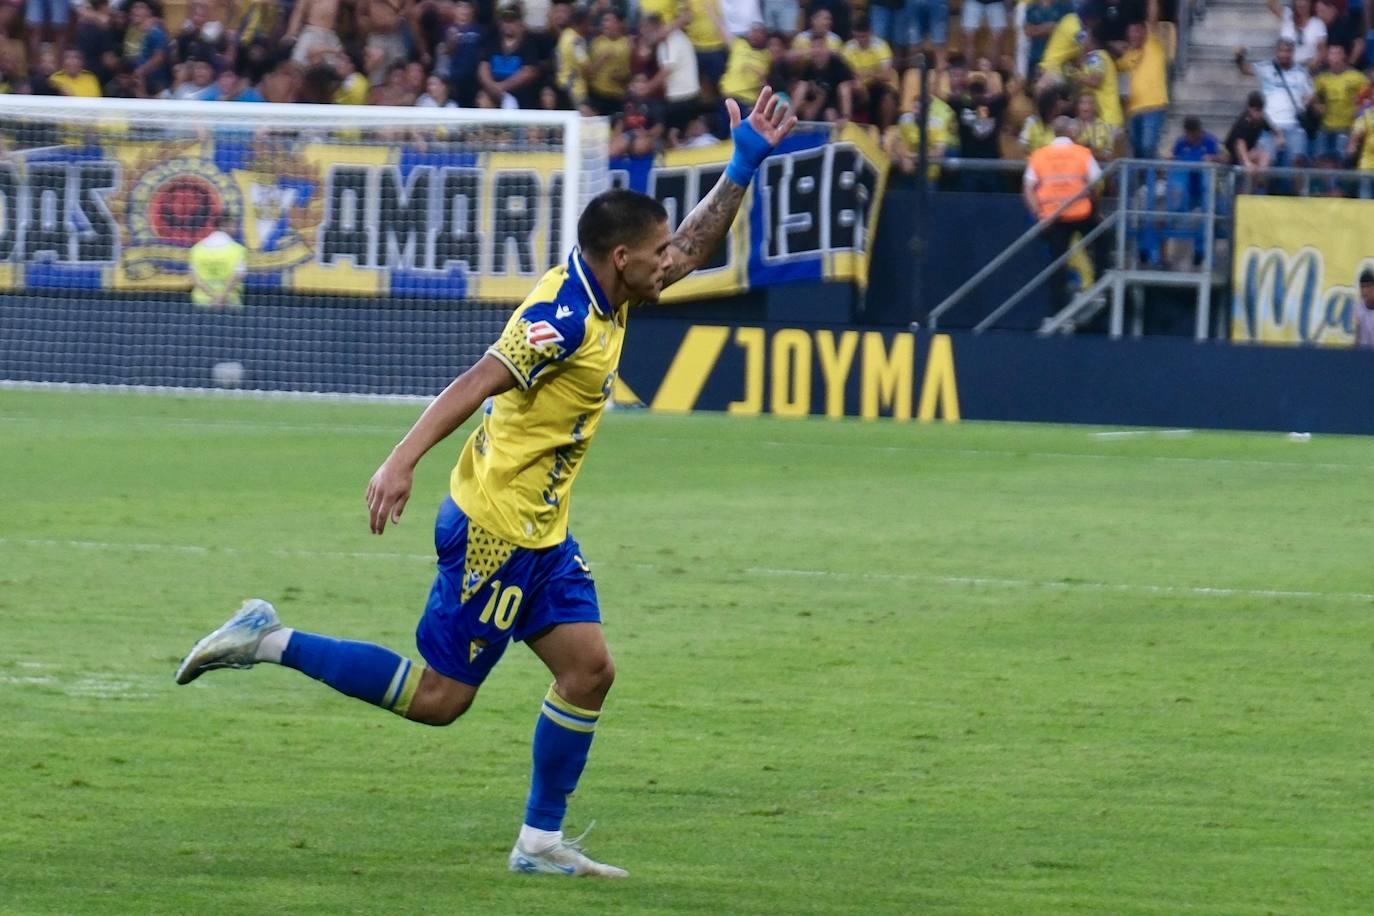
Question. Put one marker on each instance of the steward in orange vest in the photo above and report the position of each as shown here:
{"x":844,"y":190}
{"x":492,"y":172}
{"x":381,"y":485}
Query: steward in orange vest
{"x":1059,"y":171}
{"x":1056,"y":174}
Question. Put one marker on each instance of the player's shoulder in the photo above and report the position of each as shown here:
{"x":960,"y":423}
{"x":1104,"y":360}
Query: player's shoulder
{"x":556,"y":312}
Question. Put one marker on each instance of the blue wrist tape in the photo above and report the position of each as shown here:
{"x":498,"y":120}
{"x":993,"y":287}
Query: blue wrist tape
{"x":750,"y":151}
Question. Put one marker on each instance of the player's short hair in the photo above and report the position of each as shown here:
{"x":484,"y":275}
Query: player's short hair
{"x":617,"y":217}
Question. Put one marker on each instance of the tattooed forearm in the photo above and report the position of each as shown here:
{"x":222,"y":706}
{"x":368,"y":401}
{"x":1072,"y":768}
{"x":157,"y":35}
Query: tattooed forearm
{"x":703,"y":229}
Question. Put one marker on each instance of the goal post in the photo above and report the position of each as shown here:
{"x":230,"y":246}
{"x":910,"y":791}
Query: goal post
{"x":377,"y":249}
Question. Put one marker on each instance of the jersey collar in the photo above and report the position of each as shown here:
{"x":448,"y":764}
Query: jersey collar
{"x":578,"y":267}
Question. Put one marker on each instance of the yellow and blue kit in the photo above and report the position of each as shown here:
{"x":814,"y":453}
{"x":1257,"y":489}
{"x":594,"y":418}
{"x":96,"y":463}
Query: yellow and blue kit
{"x":507,"y":565}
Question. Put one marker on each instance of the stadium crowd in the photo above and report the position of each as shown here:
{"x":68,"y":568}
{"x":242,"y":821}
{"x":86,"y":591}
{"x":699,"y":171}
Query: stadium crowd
{"x":1001,"y":72}
{"x":659,"y":68}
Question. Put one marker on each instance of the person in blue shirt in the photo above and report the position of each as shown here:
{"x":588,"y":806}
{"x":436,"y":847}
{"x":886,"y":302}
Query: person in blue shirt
{"x":1186,"y":187}
{"x":152,"y":57}
{"x":230,"y":87}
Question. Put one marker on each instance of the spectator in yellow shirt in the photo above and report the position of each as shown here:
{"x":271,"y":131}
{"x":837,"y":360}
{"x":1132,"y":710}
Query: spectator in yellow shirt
{"x":903,"y":142}
{"x":875,"y":79}
{"x":1360,"y":147}
{"x":1148,"y":67}
{"x":1337,"y":98}
{"x":704,"y":25}
{"x":1095,"y":72}
{"x":74,"y":79}
{"x":1091,"y":131}
{"x":821,"y":22}
{"x":1038,"y":129}
{"x":608,"y":66}
{"x":572,"y":56}
{"x":1065,"y":44}
{"x":747,"y":67}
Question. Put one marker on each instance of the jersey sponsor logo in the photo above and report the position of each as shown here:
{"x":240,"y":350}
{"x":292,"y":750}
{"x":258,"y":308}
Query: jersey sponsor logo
{"x":542,"y":334}
{"x":562,"y":312}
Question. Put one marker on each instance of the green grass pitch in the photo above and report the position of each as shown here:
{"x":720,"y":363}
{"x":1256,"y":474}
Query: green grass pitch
{"x":863,"y":668}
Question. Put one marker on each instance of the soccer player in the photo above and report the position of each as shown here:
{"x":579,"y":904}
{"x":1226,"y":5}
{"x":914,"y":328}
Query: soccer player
{"x":508,"y":567}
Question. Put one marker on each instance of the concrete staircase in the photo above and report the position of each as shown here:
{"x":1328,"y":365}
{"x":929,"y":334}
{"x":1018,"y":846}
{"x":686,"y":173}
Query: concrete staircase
{"x":1212,"y":88}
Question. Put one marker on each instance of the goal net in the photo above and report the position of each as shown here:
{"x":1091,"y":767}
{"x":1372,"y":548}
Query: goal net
{"x":310,"y":248}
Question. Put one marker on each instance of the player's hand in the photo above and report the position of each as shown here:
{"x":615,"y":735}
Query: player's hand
{"x":771,"y":118}
{"x":387,"y":493}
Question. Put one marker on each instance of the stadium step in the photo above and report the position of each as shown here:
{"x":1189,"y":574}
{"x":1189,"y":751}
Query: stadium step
{"x":1212,"y":88}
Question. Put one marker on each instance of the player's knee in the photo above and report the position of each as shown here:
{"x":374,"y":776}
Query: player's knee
{"x":440,"y":711}
{"x":439,"y":700}
{"x":590,"y":682}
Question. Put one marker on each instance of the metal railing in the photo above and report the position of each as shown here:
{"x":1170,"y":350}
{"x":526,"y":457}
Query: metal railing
{"x":1139,"y":216}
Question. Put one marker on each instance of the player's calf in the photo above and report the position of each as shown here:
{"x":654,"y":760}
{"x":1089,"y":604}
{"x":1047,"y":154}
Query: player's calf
{"x":366,"y":671}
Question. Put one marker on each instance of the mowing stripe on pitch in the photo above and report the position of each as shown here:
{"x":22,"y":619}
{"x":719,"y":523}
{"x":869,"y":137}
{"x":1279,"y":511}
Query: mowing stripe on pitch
{"x":1209,"y":591}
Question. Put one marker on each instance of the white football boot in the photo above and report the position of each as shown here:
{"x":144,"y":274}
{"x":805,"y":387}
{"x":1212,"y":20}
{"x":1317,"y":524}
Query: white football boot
{"x":234,"y":644}
{"x":564,"y":858}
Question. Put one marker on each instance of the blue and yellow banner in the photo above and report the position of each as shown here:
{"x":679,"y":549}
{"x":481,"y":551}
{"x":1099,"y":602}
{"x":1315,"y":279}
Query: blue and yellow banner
{"x":321,"y":215}
{"x":1297,"y":265}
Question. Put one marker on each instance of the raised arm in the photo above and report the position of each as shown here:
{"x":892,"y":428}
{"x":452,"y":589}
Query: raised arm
{"x":706,"y":225}
{"x":389,"y":488}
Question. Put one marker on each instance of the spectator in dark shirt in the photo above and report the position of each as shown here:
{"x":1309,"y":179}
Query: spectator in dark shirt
{"x":826,"y":89}
{"x":980,"y":115}
{"x":43,"y":67}
{"x":464,"y":41}
{"x":1117,"y":15}
{"x":1243,"y":142}
{"x":200,"y":36}
{"x":1341,"y":29}
{"x":780,"y":67}
{"x":639,"y":125}
{"x":96,"y":38}
{"x":510,"y":65}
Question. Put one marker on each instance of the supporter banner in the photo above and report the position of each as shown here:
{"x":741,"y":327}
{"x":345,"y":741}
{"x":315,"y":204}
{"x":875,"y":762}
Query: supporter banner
{"x":810,"y":215}
{"x":116,"y":212}
{"x":1296,"y":269}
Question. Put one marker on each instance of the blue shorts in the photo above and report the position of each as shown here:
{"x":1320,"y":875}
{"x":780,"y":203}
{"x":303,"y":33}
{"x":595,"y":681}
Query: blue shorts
{"x":527,"y":593}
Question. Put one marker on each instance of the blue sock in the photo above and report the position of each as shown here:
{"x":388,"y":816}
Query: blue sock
{"x":562,"y":738}
{"x":359,"y":669}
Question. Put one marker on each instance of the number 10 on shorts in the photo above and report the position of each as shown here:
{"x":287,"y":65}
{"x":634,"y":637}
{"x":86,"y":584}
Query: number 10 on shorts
{"x":502,"y":606}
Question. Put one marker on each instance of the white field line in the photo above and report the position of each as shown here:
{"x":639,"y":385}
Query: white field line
{"x":397,"y":430}
{"x":1207,"y":591}
{"x":237,"y":393}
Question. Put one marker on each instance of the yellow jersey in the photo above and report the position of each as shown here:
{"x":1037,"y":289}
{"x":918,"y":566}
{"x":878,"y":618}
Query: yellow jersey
{"x":1065,"y":42}
{"x":666,"y":9}
{"x":514,"y":476}
{"x":1341,"y":93}
{"x":746,"y":70}
{"x":1035,"y":134}
{"x":572,"y":58}
{"x":1365,"y":124}
{"x":1108,"y":91}
{"x":941,"y":134}
{"x":872,"y":64}
{"x":802,"y":41}
{"x":1148,"y":67}
{"x":352,"y":91}
{"x":83,"y":86}
{"x":612,"y":77}
{"x":701,"y":28}
{"x":1098,"y":136}
{"x":219,"y":263}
